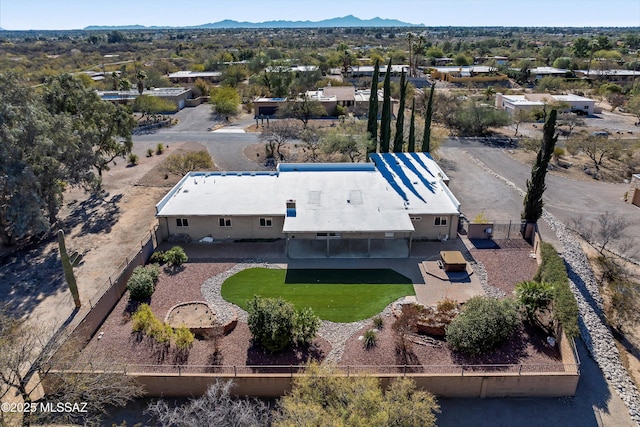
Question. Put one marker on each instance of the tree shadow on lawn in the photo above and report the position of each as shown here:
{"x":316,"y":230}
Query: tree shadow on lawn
{"x":345,"y":276}
{"x":296,"y":356}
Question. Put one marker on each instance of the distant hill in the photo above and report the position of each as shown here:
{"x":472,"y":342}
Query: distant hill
{"x":345,"y":21}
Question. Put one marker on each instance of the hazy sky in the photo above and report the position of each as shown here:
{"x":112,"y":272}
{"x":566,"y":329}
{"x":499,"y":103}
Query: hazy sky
{"x":76,"y":14}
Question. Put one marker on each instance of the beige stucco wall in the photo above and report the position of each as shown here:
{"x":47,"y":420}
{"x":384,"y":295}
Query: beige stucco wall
{"x":426,"y":228}
{"x":444,"y":385}
{"x":242,"y":227}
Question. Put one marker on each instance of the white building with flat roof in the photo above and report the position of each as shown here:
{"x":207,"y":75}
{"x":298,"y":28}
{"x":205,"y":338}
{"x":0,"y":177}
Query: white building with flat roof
{"x":529,"y":101}
{"x":321,"y":209}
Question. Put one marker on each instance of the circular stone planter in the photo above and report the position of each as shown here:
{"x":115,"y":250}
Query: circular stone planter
{"x":199,"y":317}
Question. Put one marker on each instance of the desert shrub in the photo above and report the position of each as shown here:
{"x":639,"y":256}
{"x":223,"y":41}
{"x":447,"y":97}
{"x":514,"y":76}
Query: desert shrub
{"x":481,"y":218}
{"x":558,"y":152}
{"x":142,"y":282}
{"x":378,"y":322}
{"x":533,"y":297}
{"x":149,"y":152}
{"x":160,"y":148}
{"x":183,"y":338}
{"x":305,"y":326}
{"x":369,"y":339}
{"x":276,"y":324}
{"x":483,"y":324}
{"x":133,"y":159}
{"x":157,"y":257}
{"x":141,"y":319}
{"x":553,"y":271}
{"x":175,"y":256}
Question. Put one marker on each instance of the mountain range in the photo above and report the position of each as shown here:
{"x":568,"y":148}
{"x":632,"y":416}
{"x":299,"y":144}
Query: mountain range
{"x":345,"y":21}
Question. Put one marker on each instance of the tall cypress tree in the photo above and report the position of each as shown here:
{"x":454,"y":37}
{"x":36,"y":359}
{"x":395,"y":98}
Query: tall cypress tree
{"x":412,"y":129}
{"x":426,"y":136}
{"x":536,"y":186}
{"x":385,"y":120}
{"x":372,"y":124}
{"x":398,"y":139}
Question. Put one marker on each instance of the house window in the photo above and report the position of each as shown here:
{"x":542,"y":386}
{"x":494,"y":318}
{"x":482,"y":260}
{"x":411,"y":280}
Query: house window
{"x":415,"y":218}
{"x":224,"y":222}
{"x":266,"y":222}
{"x":182,"y":222}
{"x":440,"y":221}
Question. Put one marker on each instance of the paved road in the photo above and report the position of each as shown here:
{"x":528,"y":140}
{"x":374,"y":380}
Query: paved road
{"x":566,"y":199}
{"x":194,"y":123}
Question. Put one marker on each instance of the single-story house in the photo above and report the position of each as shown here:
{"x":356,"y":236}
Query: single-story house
{"x":530,"y":101}
{"x":475,"y":73}
{"x":176,"y":95}
{"x":192,"y":76}
{"x":267,"y":107}
{"x":322,"y":209}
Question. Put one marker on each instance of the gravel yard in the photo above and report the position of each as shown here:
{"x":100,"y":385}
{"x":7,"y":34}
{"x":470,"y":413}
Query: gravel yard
{"x":337,"y":342}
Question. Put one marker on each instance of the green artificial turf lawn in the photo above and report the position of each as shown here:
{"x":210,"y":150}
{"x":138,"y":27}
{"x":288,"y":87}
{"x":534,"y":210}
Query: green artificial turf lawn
{"x":336,"y":295}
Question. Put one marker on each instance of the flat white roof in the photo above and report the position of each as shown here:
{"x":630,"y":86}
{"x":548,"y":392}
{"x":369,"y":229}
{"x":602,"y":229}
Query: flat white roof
{"x":329,"y":197}
{"x":179,"y":74}
{"x":572,"y":98}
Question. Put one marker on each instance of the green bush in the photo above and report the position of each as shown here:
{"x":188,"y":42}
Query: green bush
{"x":142,"y":283}
{"x":305,"y":326}
{"x":276,"y":324}
{"x":160,"y":148}
{"x":483,"y":324}
{"x":149,"y":152}
{"x":157,"y":258}
{"x":533,"y":297}
{"x":133,"y":159}
{"x":175,"y":256}
{"x":370,"y":339}
{"x":553,"y":271}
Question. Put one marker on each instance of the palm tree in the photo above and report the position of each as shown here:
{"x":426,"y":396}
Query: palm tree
{"x":140,"y":76}
{"x":410,"y":37}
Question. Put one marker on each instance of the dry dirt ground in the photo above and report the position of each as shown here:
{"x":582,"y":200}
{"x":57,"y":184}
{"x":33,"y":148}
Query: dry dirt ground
{"x":105,"y":227}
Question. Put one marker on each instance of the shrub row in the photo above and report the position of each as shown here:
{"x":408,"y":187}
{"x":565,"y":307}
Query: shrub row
{"x":174,"y":257}
{"x":553,"y":271}
{"x":144,"y":321}
{"x":142,"y":282}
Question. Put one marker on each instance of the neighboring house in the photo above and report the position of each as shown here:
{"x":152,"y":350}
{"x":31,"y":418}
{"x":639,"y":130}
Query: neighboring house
{"x":267,"y":107}
{"x":614,"y":76}
{"x":176,"y":95}
{"x":354,"y":100}
{"x":530,"y":101}
{"x":321,"y":209}
{"x":540,"y":72}
{"x":192,"y":76}
{"x":476,"y":73}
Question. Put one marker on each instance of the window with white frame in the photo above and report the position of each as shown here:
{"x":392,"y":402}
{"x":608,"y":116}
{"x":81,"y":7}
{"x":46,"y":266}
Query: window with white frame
{"x":440,"y":221}
{"x":224,"y":222}
{"x":182,"y":222}
{"x":266,"y":222}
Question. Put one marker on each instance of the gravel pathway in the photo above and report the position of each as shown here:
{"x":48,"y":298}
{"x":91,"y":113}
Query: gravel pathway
{"x":594,"y":332}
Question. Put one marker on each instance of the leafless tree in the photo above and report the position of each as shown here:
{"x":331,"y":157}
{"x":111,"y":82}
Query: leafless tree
{"x":597,"y":148}
{"x":215,"y":408}
{"x":277,"y":134}
{"x":312,"y":145}
{"x":29,"y":360}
